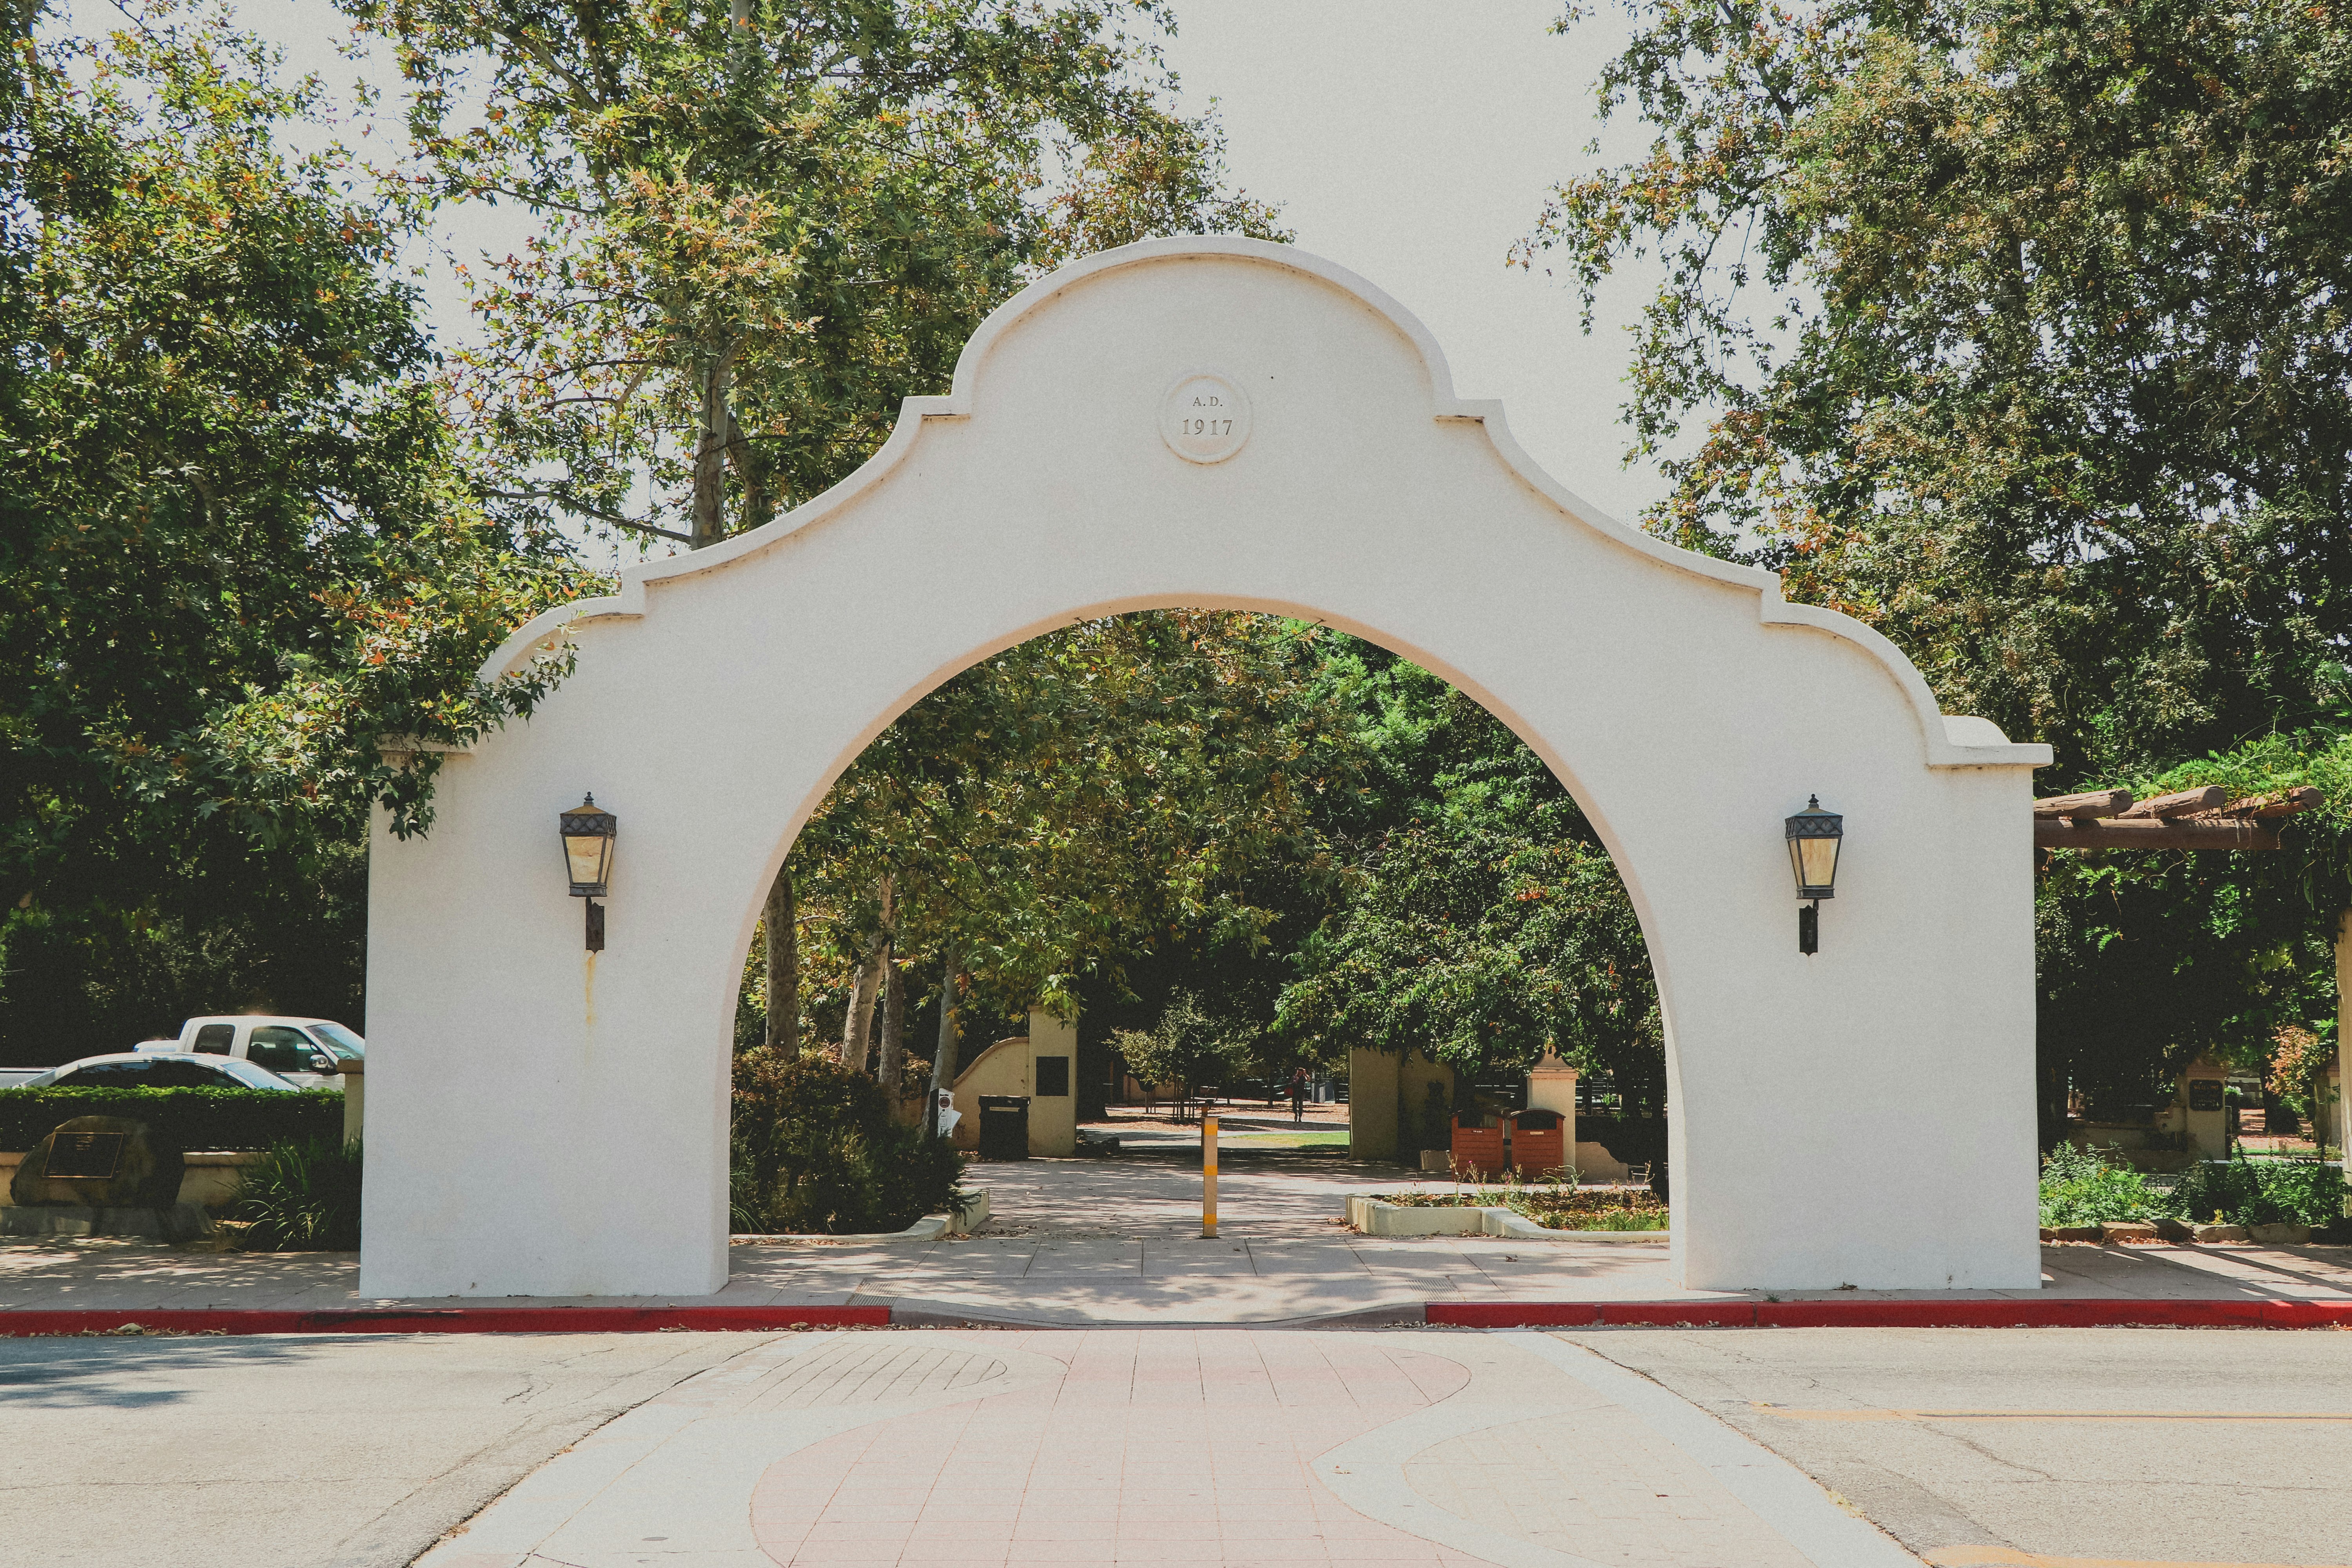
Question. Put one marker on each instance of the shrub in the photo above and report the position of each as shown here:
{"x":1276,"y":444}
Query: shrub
{"x":301,"y":1197}
{"x":2080,"y":1187}
{"x":815,"y":1151}
{"x":186,"y":1118}
{"x":2260,"y":1192}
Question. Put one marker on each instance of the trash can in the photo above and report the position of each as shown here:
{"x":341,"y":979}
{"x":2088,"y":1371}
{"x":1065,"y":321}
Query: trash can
{"x":1538,"y":1142}
{"x":1005,"y":1127}
{"x":1478,"y":1143}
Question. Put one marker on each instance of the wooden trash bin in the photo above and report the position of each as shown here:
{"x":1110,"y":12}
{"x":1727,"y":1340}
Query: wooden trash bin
{"x":1479,"y":1146}
{"x":1538,"y":1142}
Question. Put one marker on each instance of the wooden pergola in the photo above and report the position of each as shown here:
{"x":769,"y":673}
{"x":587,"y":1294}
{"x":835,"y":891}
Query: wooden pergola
{"x":2204,"y":818}
{"x":2208,"y":818}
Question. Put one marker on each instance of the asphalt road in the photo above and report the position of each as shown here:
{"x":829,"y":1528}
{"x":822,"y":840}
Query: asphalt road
{"x":310,"y":1451}
{"x":2121,"y":1447}
{"x":1976,"y":1448}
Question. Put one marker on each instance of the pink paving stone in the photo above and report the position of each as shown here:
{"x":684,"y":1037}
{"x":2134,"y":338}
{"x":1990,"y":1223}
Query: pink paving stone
{"x":1033,"y":1530}
{"x":1135,"y":1458}
{"x":1169,"y":1549}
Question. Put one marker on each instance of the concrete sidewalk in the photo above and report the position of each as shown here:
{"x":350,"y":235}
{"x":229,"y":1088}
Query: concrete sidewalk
{"x":1078,"y":1243}
{"x":1087,"y":1282}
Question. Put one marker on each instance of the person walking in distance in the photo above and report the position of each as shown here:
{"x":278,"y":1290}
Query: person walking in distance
{"x":1297,"y":1094}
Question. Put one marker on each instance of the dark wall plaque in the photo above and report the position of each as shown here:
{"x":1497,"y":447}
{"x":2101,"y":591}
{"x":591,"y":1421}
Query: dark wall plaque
{"x":85,"y":1156}
{"x":2204,"y":1094}
{"x":1052,"y":1077}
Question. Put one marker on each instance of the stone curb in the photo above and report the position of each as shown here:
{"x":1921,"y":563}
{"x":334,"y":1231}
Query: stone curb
{"x":931,"y":1227}
{"x":2008,"y":1314}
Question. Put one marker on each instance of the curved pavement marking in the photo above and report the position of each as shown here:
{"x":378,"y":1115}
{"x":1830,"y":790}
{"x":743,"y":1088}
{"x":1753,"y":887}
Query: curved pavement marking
{"x":1366,"y":1473}
{"x":673,"y":1478}
{"x":1777,"y":1491}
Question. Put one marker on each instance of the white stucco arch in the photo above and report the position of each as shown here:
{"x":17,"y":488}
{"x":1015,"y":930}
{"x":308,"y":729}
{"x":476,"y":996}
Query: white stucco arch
{"x":543,"y":1123}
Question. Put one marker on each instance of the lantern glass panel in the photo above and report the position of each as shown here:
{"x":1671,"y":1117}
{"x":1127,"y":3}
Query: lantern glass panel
{"x":589,"y":855}
{"x":1816,"y":861}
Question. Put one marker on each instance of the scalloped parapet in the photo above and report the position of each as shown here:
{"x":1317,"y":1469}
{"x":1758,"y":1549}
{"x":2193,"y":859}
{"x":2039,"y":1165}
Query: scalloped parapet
{"x":1951,"y":742}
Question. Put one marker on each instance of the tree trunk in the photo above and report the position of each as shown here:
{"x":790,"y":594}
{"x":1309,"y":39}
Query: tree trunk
{"x":856,"y":1039}
{"x":755,"y":473}
{"x":944,"y":1054}
{"x":711,"y":453}
{"x":865,"y":989}
{"x":782,"y":920}
{"x":894,"y":1018}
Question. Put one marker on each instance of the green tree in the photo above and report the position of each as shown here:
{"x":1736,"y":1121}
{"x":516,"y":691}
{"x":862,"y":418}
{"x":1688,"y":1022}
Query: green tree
{"x":1188,"y":1047}
{"x":235,"y":551}
{"x":1086,"y":799}
{"x":2017,"y":330}
{"x":1483,"y":923}
{"x":768,"y":223}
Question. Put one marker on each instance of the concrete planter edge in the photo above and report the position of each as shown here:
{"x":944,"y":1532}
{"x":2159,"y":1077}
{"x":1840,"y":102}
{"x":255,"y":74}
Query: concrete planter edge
{"x":931,"y":1227}
{"x":1372,"y":1217}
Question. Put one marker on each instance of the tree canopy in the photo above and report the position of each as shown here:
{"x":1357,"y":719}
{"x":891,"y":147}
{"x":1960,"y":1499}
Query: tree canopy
{"x":2015,"y":328}
{"x":234,"y":549}
{"x":769,"y":222}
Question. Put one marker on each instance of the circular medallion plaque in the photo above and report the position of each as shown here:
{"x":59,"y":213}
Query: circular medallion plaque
{"x":1205,"y":418}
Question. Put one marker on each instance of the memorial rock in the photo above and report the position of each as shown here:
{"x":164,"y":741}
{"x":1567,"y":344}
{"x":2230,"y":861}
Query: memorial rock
{"x":99,"y":1161}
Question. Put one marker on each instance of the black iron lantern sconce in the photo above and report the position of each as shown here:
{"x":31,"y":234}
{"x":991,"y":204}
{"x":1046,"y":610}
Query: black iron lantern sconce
{"x":1814,"y":836}
{"x":588,"y":836}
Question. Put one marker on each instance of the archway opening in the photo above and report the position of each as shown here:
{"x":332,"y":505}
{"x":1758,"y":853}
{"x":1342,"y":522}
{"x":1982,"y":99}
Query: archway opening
{"x":1174,"y":857}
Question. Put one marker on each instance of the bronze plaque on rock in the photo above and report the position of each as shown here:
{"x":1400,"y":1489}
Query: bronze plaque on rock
{"x":84,"y":1156}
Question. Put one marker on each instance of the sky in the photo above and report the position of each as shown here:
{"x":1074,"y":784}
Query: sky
{"x":1414,"y":142}
{"x":1411,"y":141}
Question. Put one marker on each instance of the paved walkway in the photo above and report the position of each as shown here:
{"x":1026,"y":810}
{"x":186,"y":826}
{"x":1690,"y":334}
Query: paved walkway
{"x":1083,"y":1242}
{"x":2039,"y":1449}
{"x":1113,"y":1447}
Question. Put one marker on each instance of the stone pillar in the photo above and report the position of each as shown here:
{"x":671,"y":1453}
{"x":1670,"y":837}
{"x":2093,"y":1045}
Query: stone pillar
{"x":1552,"y":1086}
{"x":1371,"y":1104}
{"x":1053,"y":1085}
{"x":2200,"y":1104}
{"x":354,"y":1097}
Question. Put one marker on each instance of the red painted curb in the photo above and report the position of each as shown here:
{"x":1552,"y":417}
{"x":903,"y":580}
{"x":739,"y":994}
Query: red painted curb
{"x":445,"y":1319}
{"x":1516,"y":1314}
{"x":2069,"y":1312}
{"x":2062,"y":1312}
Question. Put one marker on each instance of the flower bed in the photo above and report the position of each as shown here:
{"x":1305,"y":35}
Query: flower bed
{"x":2082,"y":1190}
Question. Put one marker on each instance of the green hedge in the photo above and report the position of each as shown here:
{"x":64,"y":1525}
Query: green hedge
{"x":191,"y":1117}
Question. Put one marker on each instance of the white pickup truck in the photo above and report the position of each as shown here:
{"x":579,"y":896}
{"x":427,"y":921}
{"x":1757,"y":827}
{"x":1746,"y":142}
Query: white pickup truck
{"x":308,"y":1051}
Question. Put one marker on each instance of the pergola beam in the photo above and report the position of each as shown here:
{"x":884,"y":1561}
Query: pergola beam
{"x":2154,"y":833}
{"x":2204,"y":818}
{"x":2187,"y":802}
{"x":2091,"y":804}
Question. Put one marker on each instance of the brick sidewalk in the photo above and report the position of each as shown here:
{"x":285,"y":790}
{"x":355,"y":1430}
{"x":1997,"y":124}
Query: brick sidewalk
{"x":1116,"y":1447}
